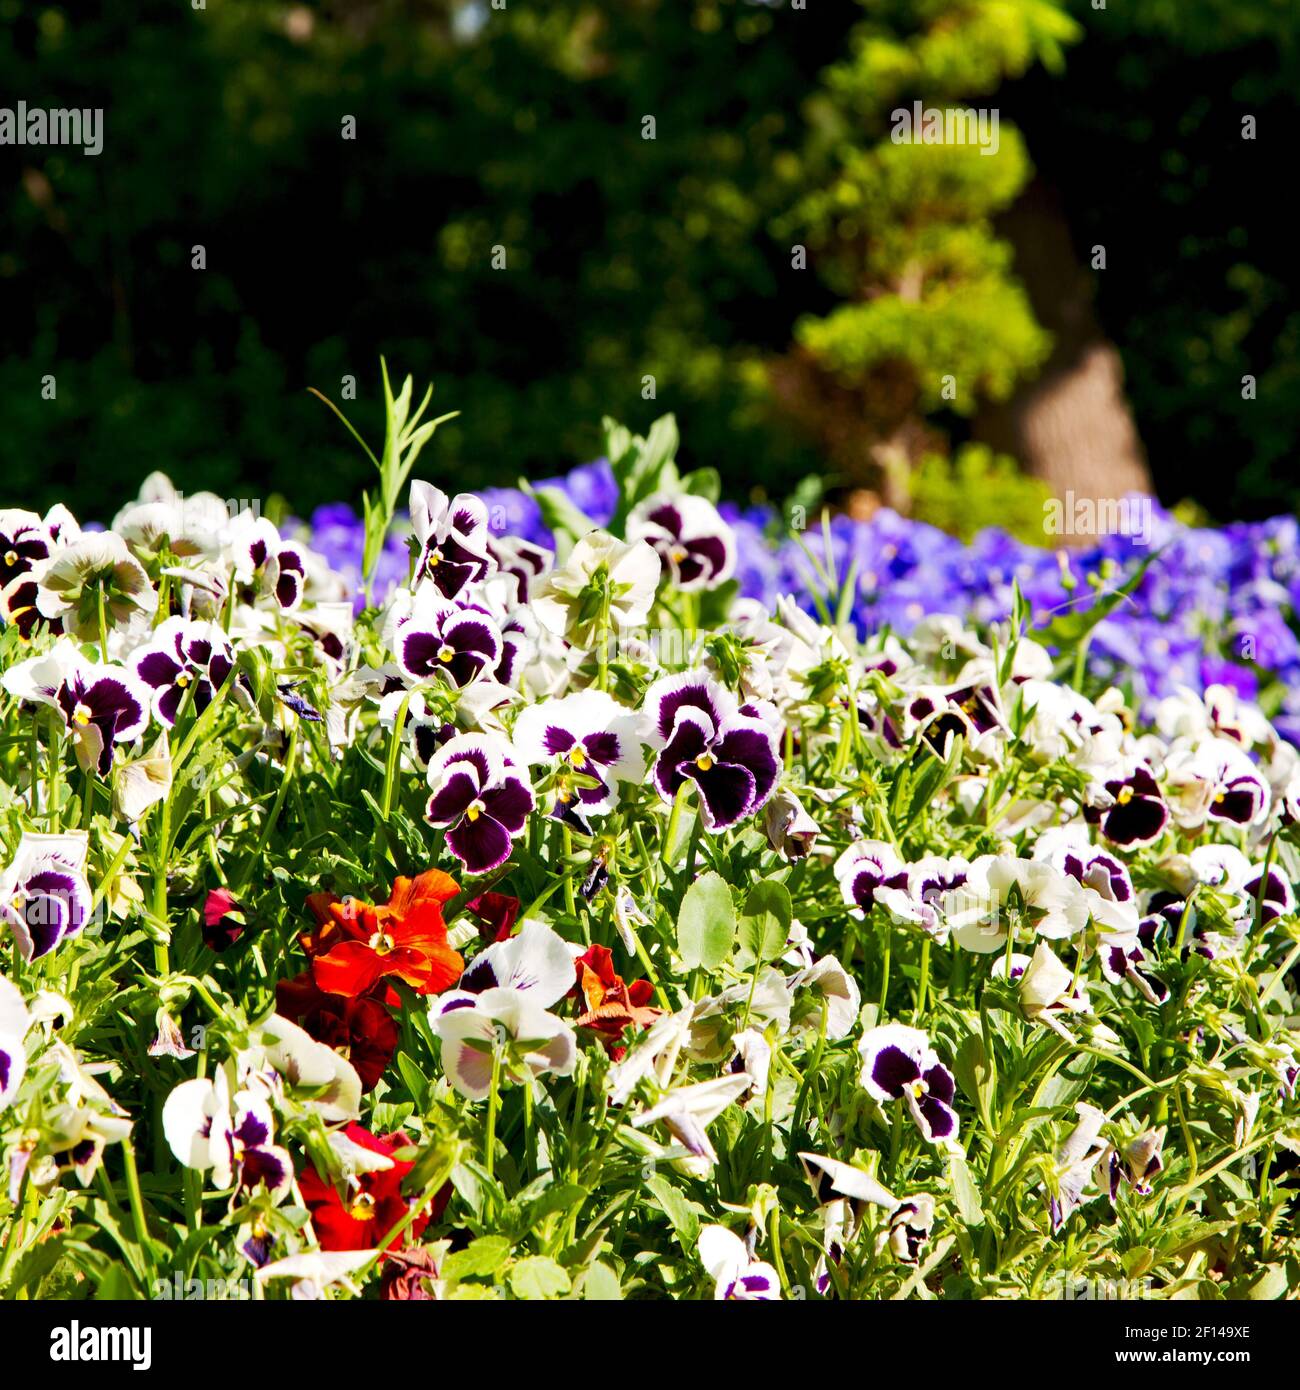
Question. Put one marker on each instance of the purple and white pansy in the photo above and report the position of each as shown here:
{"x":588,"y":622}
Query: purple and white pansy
{"x":866,"y":867}
{"x":1129,"y":806}
{"x":25,"y":542}
{"x":453,"y":538}
{"x":44,"y":896}
{"x":265,"y":562}
{"x":703,"y":737}
{"x":502,"y":1003}
{"x":693,"y":541}
{"x":100,"y":705}
{"x":590,"y":742}
{"x":15,"y":1019}
{"x":229,"y":1136}
{"x":185,"y":660}
{"x":737,"y":1276}
{"x":481,"y":797}
{"x":441,"y":640}
{"x":898,"y":1063}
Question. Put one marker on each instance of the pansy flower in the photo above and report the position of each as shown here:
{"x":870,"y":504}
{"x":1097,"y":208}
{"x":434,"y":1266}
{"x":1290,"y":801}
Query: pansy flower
{"x":1215,"y":781}
{"x":264,"y":561}
{"x":920,"y":903}
{"x":737,"y":1276}
{"x":535,"y":961}
{"x":230,"y":1136}
{"x":184,"y":658}
{"x":452,"y":534}
{"x":372,"y":1204}
{"x":898,"y":1063}
{"x":100,"y":705}
{"x":612,"y":1005}
{"x":1003,"y":895}
{"x":480,"y":797}
{"x":704,"y":738}
{"x":361,"y":1028}
{"x":44,"y":896}
{"x":1133,"y":812}
{"x":358,"y":943}
{"x":441,"y":640}
{"x":590,"y":741}
{"x":24,"y":542}
{"x":95,"y":572}
{"x":601,"y":577}
{"x":14,"y":1022}
{"x":20,"y":605}
{"x":866,"y":867}
{"x":698,"y":547}
{"x":223,"y":920}
{"x":909,"y":1228}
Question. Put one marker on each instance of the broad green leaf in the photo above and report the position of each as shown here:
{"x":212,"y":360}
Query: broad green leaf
{"x":765,"y":921}
{"x":538,"y":1277}
{"x":480,"y":1259}
{"x":706,"y":924}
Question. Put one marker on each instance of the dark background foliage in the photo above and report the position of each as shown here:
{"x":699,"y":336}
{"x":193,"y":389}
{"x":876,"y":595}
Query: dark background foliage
{"x":522,"y":128}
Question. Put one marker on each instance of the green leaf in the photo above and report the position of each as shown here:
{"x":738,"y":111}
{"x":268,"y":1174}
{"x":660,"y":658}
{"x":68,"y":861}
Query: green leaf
{"x":538,"y":1277}
{"x":706,"y":923}
{"x":965,"y":1192}
{"x":600,"y":1284}
{"x":766,"y":919}
{"x":480,"y":1259}
{"x":678,"y":1210}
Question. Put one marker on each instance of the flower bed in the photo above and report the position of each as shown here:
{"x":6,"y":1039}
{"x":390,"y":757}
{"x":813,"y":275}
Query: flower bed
{"x":573,"y":924}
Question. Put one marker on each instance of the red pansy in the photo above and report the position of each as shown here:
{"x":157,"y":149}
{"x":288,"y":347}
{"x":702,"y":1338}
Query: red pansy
{"x":372,"y":1203}
{"x":358,"y":944}
{"x":613,"y":1004}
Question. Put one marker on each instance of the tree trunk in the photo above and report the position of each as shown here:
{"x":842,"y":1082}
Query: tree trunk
{"x":1071,"y":426}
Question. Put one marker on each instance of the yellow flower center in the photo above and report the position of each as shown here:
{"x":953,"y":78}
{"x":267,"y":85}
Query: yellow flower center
{"x":435,"y":557}
{"x":362,"y":1207}
{"x":381,"y":941}
{"x":183,"y":679}
{"x":445,"y":653}
{"x":578,"y":755}
{"x":677,"y":554}
{"x":11,"y":557}
{"x":918,"y":1088}
{"x":474,"y":810}
{"x":81,"y":715}
{"x":1125,"y":796}
{"x":704,"y":762}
